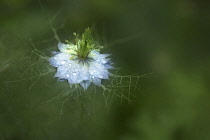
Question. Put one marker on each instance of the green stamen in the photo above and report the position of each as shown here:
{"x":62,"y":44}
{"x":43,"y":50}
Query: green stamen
{"x":85,"y":44}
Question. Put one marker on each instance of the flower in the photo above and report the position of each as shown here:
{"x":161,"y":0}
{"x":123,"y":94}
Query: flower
{"x":81,"y":63}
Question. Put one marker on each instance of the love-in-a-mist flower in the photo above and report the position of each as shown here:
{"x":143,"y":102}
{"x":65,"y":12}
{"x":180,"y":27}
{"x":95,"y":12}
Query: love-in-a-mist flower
{"x":81,"y":63}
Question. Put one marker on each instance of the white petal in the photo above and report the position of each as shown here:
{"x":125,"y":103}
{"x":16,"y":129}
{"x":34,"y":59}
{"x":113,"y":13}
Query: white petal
{"x":80,"y":73}
{"x":67,"y":48}
{"x":96,"y":81}
{"x":85,"y":84}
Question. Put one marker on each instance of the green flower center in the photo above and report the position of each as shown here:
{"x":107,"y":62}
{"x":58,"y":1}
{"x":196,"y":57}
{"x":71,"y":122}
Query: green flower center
{"x":85,"y":44}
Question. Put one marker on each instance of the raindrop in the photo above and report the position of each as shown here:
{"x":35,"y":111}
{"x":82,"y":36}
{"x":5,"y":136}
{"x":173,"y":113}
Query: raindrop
{"x":100,"y":76}
{"x":103,"y":61}
{"x":63,"y":62}
{"x":91,"y":73}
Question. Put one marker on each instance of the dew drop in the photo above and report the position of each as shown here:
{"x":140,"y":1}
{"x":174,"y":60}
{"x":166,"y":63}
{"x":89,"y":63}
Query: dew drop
{"x":100,"y":76}
{"x":91,"y":73}
{"x":63,"y":62}
{"x":103,"y":61}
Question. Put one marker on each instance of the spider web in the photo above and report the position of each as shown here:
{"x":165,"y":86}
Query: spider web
{"x":34,"y":72}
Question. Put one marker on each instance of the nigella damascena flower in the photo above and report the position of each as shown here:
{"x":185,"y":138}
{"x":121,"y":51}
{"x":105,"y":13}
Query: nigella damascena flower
{"x":81,"y":63}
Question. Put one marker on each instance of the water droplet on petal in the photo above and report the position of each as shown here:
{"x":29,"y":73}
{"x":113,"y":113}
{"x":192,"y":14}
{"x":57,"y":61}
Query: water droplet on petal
{"x":103,"y":61}
{"x":100,"y":76}
{"x":63,"y":62}
{"x":91,"y":73}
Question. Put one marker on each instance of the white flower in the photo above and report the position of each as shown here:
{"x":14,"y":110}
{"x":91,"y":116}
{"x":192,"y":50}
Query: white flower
{"x":71,"y":67}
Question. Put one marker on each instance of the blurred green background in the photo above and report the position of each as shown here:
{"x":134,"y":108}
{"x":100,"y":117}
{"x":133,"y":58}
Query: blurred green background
{"x":167,"y":38}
